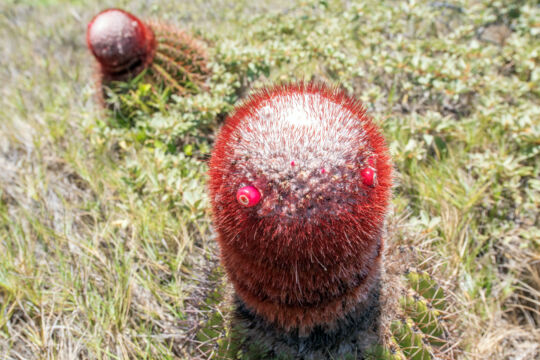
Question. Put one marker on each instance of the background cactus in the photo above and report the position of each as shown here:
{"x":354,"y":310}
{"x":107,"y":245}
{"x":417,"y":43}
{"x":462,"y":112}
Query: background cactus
{"x":135,"y":53}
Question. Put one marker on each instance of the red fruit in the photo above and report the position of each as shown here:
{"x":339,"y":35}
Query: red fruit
{"x":121,"y":43}
{"x":248,"y":196}
{"x":310,"y":250}
{"x":368,"y":176}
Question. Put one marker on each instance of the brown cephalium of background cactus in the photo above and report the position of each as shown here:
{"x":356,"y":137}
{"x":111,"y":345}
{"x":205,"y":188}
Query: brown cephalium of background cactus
{"x":300,"y":183}
{"x":123,"y":46}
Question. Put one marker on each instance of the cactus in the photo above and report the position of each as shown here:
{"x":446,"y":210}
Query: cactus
{"x":283,"y":205}
{"x":164,"y":56}
{"x":418,"y":332}
{"x":300,"y":182}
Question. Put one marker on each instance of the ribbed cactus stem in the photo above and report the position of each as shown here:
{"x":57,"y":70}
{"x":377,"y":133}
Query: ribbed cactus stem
{"x":419,"y":331}
{"x":426,"y":287}
{"x":411,"y":340}
{"x":426,"y":318}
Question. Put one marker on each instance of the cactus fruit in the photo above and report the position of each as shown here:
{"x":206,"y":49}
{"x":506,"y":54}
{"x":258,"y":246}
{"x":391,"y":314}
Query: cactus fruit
{"x":300,"y":183}
{"x":124,"y":46}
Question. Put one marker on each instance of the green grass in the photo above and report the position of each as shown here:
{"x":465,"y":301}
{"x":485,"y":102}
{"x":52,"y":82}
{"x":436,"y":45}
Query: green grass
{"x":106,"y":248}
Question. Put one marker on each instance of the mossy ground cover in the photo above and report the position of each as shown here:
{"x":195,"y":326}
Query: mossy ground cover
{"x":106,"y":248}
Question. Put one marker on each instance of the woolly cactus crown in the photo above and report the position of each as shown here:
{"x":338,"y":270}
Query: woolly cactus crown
{"x":120,"y":42}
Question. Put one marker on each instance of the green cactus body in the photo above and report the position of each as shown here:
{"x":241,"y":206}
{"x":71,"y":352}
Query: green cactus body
{"x":425,"y":317}
{"x":418,"y":332}
{"x":428,"y":288}
{"x":179,"y":61}
{"x":389,"y":352}
{"x":413,"y":342}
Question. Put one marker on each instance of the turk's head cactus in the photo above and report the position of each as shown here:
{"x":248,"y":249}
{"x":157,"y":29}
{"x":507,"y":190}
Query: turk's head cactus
{"x":124,"y":46}
{"x":300,"y":182}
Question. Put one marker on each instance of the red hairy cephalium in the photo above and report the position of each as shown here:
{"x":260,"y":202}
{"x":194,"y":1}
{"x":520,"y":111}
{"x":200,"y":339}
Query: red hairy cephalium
{"x":310,"y":248}
{"x":122,"y":44}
